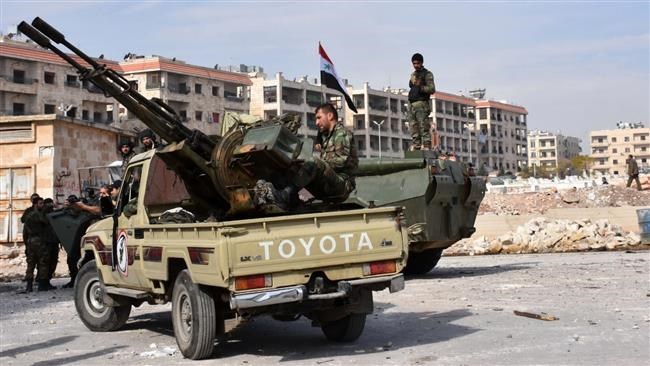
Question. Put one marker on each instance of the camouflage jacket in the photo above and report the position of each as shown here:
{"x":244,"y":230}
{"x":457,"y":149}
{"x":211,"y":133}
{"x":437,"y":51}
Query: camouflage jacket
{"x":36,"y":224}
{"x":427,"y":86}
{"x":339,"y":151}
{"x":632,"y":167}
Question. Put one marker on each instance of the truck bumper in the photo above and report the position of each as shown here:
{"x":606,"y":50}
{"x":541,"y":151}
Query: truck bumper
{"x":285,"y":295}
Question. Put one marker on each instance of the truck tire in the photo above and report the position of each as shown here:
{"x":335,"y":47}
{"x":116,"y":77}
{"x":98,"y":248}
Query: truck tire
{"x":194,"y":316}
{"x":347,"y":329}
{"x":422,"y":262}
{"x":88,"y":299}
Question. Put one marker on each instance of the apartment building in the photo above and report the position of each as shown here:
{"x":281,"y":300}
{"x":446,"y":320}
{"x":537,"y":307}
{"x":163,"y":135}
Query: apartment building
{"x":610,"y":148}
{"x":279,"y":95}
{"x":199,"y":95}
{"x":455,"y":126}
{"x":379,"y":124}
{"x":548,"y":149}
{"x":502,"y":130}
{"x":36,"y":81}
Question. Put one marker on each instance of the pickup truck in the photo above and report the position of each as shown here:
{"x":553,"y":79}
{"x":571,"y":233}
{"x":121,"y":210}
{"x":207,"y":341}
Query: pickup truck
{"x":321,"y":265}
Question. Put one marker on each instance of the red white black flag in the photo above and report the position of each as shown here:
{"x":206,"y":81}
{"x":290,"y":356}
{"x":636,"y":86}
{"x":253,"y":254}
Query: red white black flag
{"x":330,"y":79}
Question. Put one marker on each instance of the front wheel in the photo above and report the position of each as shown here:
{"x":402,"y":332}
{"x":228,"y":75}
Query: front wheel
{"x":346,"y":329}
{"x":89,"y":301}
{"x":195,"y":318}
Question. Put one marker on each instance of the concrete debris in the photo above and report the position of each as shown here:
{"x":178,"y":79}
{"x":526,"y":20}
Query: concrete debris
{"x":542,"y":235}
{"x":539,"y":202}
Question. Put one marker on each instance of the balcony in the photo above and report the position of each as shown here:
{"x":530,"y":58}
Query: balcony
{"x":234,"y":98}
{"x":179,"y":89}
{"x":378,"y":106}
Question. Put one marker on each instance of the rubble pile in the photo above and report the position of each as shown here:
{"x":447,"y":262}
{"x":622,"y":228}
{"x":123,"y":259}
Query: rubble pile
{"x":542,"y":235}
{"x":540,"y":202}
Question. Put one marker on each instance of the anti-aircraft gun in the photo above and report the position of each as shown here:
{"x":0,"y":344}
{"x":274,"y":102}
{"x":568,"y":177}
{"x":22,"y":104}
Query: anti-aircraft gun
{"x":219,"y":172}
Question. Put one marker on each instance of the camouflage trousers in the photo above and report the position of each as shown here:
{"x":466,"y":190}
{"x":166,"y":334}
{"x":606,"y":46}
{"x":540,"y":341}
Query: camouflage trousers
{"x":418,"y":119}
{"x":323,"y":182}
{"x":38,"y":257}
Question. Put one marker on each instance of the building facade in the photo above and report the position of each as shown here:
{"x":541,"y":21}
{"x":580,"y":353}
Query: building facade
{"x":36,"y":81}
{"x":502,"y":130}
{"x":199,"y":95}
{"x":549,"y":149}
{"x":42,"y":154}
{"x":455,"y":126}
{"x":610,"y":148}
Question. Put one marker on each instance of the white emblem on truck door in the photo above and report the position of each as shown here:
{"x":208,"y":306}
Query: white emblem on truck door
{"x":122,"y":254}
{"x":328,"y":244}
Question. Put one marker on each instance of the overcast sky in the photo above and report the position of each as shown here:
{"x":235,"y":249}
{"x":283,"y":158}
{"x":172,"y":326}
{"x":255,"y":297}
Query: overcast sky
{"x":576,"y":66}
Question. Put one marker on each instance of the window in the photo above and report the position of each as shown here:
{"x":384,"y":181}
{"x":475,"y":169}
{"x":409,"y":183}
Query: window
{"x":613,"y":139}
{"x":19,"y":109}
{"x":97,"y":117}
{"x":198,"y":115}
{"x":49,"y":109}
{"x":72,"y":112}
{"x":642,"y":137}
{"x":71,"y":80}
{"x":643,"y":148}
{"x":482,"y":113}
{"x":533,"y":155}
{"x":601,"y":162}
{"x":49,"y":77}
{"x":626,"y":139}
{"x":84,"y":115}
{"x":197,"y":88}
{"x":183,"y":115}
{"x":643,"y":160}
{"x":531,"y":143}
{"x":627,"y":149}
{"x":215,"y":91}
{"x":614,"y":151}
{"x":614,"y":161}
{"x":130,"y":188}
{"x":215,"y":117}
{"x":19,"y":76}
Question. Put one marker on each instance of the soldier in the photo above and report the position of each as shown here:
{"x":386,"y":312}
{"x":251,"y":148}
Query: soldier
{"x":632,"y":172}
{"x":330,"y":177}
{"x":422,"y":86}
{"x":31,"y":264}
{"x":148,"y":139}
{"x":126,"y":151}
{"x":36,"y":223}
{"x":50,"y":238}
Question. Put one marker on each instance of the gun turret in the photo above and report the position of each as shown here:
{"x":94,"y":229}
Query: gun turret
{"x":218,"y":171}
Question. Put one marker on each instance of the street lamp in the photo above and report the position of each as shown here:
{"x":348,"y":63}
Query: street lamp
{"x":469,"y":132}
{"x":379,"y":126}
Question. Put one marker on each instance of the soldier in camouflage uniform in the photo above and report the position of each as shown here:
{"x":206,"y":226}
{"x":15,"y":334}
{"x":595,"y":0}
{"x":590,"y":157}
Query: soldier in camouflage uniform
{"x":31,"y":262}
{"x":422,"y":86}
{"x":329,"y":177}
{"x":36,"y":224}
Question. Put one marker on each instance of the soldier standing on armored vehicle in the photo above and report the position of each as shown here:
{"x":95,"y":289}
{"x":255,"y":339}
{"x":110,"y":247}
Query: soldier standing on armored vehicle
{"x":330,"y":177}
{"x":422,"y":86}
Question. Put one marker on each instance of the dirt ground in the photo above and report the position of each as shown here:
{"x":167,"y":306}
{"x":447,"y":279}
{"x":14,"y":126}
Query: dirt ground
{"x":461,"y":313}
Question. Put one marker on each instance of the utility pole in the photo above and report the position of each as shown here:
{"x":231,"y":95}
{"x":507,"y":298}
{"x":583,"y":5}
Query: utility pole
{"x":378,"y":124}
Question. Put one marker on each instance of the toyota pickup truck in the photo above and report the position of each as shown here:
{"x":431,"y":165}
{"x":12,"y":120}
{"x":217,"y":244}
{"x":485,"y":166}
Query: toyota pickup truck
{"x":321,"y":265}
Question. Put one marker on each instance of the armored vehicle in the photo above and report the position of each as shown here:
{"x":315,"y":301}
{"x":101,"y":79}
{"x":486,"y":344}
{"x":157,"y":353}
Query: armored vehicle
{"x":185,"y":230}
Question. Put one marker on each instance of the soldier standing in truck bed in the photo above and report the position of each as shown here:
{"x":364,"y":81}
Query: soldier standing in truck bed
{"x":422,"y":86}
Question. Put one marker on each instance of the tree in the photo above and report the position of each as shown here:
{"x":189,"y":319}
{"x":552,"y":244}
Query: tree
{"x":565,"y":166}
{"x":582,"y":163}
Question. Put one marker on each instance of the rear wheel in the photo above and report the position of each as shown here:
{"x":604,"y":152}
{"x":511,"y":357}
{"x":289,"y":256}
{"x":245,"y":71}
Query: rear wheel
{"x":422,"y":262}
{"x":346,"y":329}
{"x":195,"y":317}
{"x":89,"y":301}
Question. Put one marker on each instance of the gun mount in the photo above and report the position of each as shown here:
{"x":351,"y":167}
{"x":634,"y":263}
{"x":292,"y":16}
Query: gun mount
{"x":218,"y":171}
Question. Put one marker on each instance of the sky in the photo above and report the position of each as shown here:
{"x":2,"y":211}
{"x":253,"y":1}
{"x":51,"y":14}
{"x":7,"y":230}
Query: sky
{"x":575,"y":66}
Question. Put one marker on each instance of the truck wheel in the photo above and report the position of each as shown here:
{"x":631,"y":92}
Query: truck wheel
{"x":347,"y":329}
{"x":422,"y":262}
{"x":194,"y":316}
{"x":88,"y":299}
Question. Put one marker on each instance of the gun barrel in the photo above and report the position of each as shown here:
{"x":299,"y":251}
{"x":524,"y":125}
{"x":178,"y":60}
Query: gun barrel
{"x":388,"y":166}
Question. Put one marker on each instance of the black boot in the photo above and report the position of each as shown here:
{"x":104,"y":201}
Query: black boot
{"x":45,"y":285}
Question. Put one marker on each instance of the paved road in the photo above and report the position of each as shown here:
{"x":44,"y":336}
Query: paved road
{"x":461,"y":313}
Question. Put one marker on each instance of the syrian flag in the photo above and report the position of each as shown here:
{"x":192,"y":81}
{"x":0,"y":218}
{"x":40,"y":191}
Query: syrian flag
{"x":330,"y":79}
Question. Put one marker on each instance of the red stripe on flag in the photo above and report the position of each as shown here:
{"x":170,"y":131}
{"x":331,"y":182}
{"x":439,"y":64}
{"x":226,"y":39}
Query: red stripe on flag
{"x":323,"y":54}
